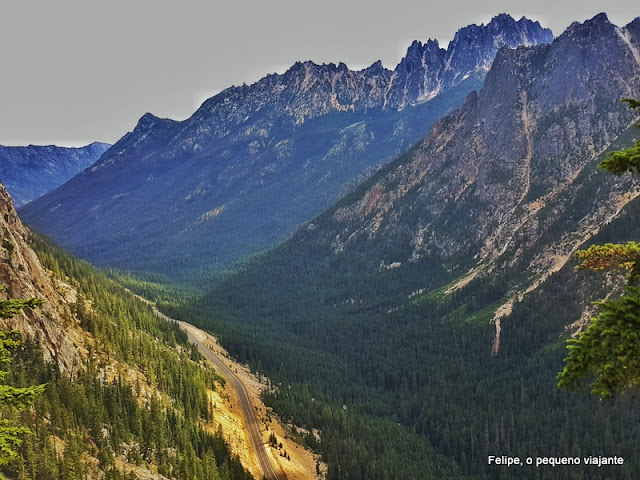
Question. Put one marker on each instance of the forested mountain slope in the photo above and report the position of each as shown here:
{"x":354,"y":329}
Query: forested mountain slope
{"x":427,"y":310}
{"x":255,"y":162}
{"x":125,"y":396}
{"x":30,"y":172}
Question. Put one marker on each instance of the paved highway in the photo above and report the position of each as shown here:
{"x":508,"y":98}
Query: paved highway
{"x":251,"y":420}
{"x":247,"y":409}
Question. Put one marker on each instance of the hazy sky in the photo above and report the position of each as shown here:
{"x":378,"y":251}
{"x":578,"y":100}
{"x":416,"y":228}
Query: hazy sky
{"x":75,"y":71}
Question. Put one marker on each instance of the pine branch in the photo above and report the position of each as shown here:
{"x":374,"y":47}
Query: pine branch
{"x":612,"y":256}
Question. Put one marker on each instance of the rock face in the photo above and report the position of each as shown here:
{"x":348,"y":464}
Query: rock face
{"x":23,"y":276}
{"x":254,"y":162}
{"x":544,"y":113}
{"x":30,"y":172}
{"x":428,"y":69}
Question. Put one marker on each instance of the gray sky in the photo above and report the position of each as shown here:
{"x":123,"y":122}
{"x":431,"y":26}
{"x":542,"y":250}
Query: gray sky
{"x":75,"y":71}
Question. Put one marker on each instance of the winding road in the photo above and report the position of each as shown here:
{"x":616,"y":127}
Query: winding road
{"x":253,"y":425}
{"x":251,"y":420}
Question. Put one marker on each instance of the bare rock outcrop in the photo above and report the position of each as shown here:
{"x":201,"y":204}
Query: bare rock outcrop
{"x":23,"y":276}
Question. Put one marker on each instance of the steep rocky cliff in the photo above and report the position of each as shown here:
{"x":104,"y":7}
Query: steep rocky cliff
{"x":23,"y":276}
{"x":486,"y":178}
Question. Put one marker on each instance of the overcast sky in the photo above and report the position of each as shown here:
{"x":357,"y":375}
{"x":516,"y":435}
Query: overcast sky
{"x":75,"y":71}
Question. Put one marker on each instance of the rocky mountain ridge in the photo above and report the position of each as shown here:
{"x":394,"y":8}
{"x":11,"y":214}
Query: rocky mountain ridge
{"x":425,"y":71}
{"x":30,"y":172}
{"x":254,"y":162}
{"x":535,"y":124}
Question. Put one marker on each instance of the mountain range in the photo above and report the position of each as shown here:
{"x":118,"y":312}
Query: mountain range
{"x":438,"y":295}
{"x":255,"y":162}
{"x":30,"y":172}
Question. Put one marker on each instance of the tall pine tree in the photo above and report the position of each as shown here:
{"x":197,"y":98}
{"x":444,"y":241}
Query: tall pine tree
{"x":17,"y":398}
{"x":609,"y":348}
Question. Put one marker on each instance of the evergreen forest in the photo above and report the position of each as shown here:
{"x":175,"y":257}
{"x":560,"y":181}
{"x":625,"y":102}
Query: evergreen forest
{"x":96,"y":421}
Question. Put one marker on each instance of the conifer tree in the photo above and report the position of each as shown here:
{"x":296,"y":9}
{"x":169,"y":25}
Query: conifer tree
{"x":609,"y":348}
{"x":12,"y":396}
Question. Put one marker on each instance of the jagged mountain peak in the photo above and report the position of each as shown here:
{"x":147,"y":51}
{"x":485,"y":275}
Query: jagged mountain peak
{"x":594,"y":32}
{"x":501,"y":23}
{"x":601,"y":17}
{"x":149,"y":120}
{"x":599,"y":25}
{"x":633,"y":24}
{"x":418,"y":49}
{"x":502,"y":30}
{"x":599,"y":21}
{"x":417,"y":46}
{"x":484,"y":172}
{"x":146,"y":121}
{"x":504,"y":20}
{"x":375,"y":69}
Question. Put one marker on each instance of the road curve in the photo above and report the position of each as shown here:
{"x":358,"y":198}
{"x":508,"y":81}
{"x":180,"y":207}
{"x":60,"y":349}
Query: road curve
{"x":250,"y":418}
{"x":247,"y":409}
